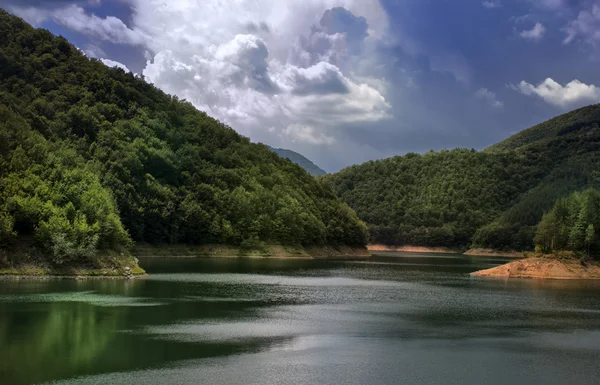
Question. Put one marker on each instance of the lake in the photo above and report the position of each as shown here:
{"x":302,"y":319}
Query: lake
{"x":397,"y":319}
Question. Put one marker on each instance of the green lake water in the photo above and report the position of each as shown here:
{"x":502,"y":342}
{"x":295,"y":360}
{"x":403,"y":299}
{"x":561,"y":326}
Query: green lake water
{"x":397,"y":319}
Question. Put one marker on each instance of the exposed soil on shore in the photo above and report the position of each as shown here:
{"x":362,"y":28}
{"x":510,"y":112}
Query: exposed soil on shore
{"x":445,"y":250}
{"x":267,"y":251}
{"x":493,"y":253}
{"x":544,"y":268}
{"x":412,"y":249}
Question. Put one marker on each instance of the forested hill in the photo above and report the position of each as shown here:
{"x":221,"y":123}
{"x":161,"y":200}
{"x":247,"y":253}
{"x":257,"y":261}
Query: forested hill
{"x":300,"y":160}
{"x":92,"y":158}
{"x":463,"y":198}
{"x":573,"y":121}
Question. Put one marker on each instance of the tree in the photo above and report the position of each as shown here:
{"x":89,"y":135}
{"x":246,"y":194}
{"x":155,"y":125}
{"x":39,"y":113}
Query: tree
{"x":589,"y":237}
{"x":545,"y":237}
{"x":7,"y":233}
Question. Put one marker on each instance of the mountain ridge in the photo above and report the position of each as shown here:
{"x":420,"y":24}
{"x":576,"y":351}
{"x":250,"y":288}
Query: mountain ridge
{"x":559,"y":125}
{"x":300,"y":160}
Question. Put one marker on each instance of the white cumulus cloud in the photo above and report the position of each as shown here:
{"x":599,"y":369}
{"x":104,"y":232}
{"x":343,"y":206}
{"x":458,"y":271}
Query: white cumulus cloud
{"x":109,"y":28}
{"x":112,"y":63}
{"x":74,"y":17}
{"x":535,"y":33}
{"x":574,"y":93}
{"x":257,"y":64}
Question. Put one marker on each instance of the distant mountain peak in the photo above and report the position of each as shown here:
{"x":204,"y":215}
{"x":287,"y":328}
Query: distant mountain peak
{"x":300,"y":160}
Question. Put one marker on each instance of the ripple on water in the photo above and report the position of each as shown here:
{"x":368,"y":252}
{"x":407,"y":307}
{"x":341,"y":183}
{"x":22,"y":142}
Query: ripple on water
{"x":350,"y":323}
{"x":89,"y":297}
{"x":273,"y":280}
{"x":290,"y":321}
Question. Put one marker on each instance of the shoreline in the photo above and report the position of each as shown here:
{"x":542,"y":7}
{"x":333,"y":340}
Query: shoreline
{"x":264,"y":252}
{"x":133,"y":271}
{"x":203,"y":256}
{"x":33,"y":277}
{"x":493,"y":253}
{"x":544,"y":267}
{"x":412,"y":249}
{"x":476,"y":252}
{"x":40,"y":270}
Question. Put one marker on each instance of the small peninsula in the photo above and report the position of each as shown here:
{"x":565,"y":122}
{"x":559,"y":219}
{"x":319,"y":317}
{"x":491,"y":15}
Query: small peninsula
{"x":566,"y":243}
{"x":544,"y":268}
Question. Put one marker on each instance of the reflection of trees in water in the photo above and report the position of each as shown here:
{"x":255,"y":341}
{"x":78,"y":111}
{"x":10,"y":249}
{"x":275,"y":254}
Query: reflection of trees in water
{"x":51,"y":334}
{"x":39,"y":342}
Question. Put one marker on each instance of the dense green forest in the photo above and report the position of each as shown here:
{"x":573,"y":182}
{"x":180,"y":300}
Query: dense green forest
{"x":93,"y":159}
{"x":572,"y":224}
{"x":463,"y":198}
{"x":300,"y":160}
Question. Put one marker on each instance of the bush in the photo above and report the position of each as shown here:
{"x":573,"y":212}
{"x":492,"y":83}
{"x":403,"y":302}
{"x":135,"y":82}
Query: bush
{"x":252,"y":243}
{"x":64,"y":250}
{"x":68,"y":240}
{"x":7,"y":233}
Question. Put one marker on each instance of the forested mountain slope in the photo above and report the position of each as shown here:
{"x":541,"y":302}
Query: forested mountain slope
{"x":300,"y":160}
{"x":493,"y":198}
{"x":561,"y":125}
{"x":92,"y":158}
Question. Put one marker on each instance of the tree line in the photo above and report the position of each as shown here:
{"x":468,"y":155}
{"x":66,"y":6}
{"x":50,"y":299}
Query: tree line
{"x":572,"y":224}
{"x":464,"y":198}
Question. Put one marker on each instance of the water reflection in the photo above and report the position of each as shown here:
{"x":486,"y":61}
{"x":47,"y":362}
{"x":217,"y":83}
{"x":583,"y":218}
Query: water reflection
{"x":398,"y":318}
{"x":53,"y":340}
{"x":68,"y":333}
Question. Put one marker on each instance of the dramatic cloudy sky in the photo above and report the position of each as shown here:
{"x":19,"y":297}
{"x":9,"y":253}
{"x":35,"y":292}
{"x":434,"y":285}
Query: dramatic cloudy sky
{"x":345,"y":81}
